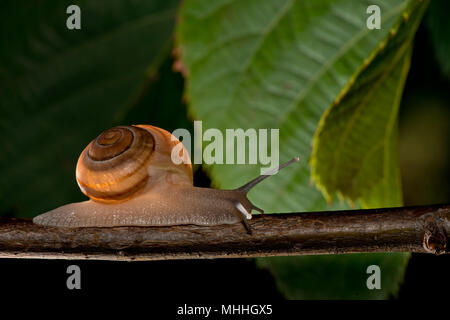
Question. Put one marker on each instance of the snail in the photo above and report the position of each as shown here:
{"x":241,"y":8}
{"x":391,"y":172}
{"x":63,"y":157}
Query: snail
{"x":131,"y":180}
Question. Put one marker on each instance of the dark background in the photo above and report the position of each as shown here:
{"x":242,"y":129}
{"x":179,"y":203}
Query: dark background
{"x":424,"y":117}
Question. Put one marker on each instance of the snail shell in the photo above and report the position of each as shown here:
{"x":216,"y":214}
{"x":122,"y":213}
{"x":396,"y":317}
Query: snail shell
{"x":116,"y":165}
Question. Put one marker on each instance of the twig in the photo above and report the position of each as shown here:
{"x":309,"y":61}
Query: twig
{"x":406,"y":229}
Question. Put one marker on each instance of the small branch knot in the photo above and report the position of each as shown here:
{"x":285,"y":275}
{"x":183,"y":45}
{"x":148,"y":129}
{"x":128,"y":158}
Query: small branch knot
{"x":434,"y":238}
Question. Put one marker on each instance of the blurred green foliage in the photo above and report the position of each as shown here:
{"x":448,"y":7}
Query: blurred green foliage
{"x":331,"y":277}
{"x":259,"y":64}
{"x":61,"y":88}
{"x":439,"y":26}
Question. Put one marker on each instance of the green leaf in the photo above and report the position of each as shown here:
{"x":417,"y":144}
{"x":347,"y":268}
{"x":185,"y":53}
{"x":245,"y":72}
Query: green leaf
{"x":61,"y":87}
{"x":439,"y":28}
{"x":281,"y":64}
{"x":355,"y":149}
{"x":341,"y":276}
{"x":276,"y":64}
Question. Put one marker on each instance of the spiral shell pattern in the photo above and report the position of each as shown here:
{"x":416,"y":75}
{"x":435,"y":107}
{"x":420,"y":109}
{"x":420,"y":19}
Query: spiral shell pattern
{"x":114,"y":166}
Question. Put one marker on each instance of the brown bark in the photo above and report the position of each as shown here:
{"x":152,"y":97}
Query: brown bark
{"x":406,"y":229}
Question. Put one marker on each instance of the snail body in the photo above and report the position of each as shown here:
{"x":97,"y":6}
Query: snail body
{"x":131,"y":180}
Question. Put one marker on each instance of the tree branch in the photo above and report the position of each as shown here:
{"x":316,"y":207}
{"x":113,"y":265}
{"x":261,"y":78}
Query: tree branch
{"x":406,"y":229}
